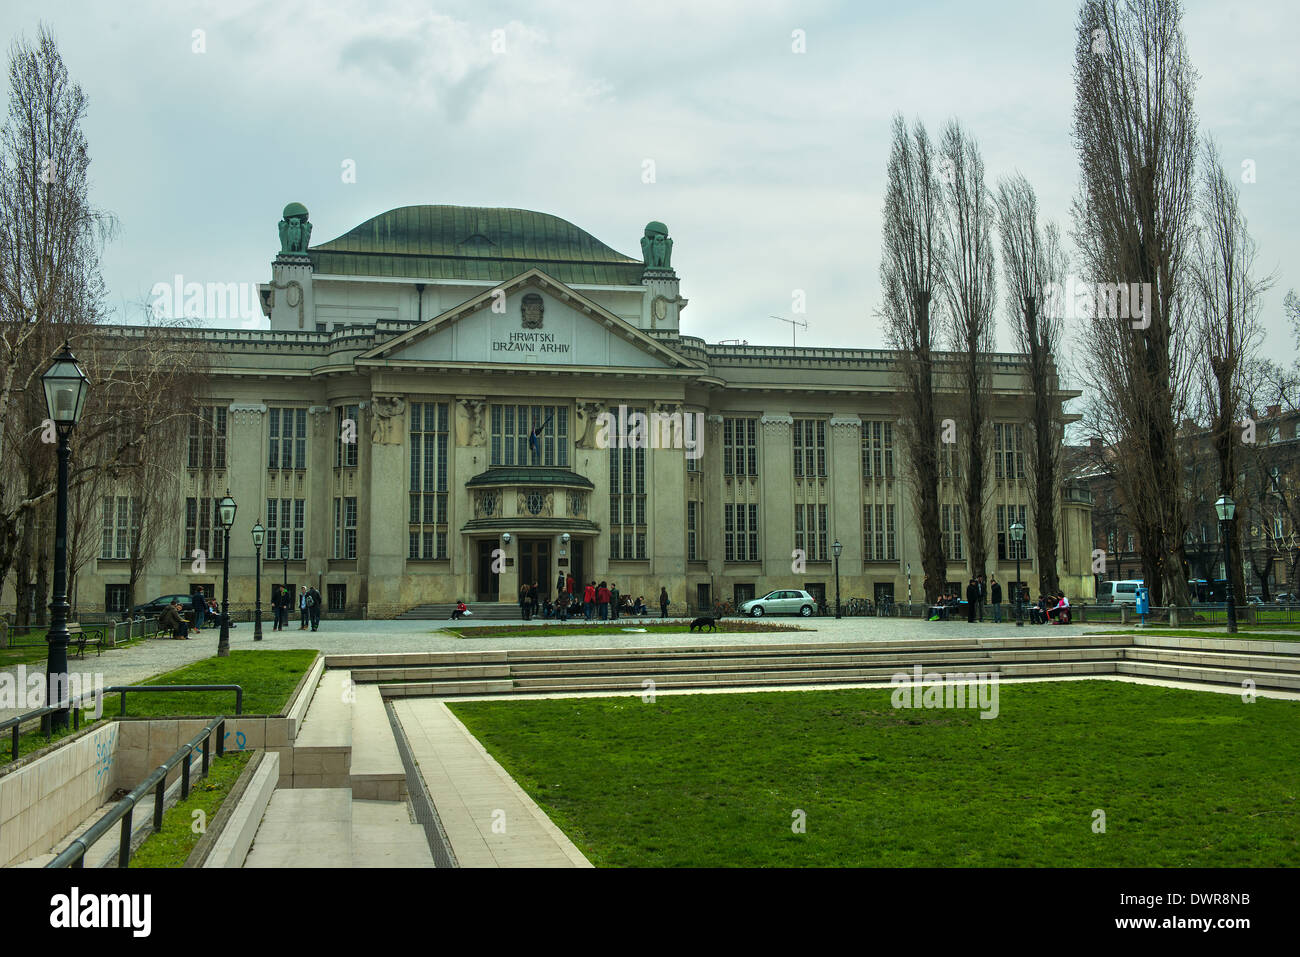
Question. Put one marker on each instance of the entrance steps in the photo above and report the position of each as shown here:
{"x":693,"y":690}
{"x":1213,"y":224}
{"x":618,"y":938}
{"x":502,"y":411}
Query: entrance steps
{"x":1271,"y":665}
{"x":483,"y":611}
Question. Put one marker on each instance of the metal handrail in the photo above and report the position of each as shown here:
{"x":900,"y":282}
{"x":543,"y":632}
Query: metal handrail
{"x":74,"y":705}
{"x":74,"y":855}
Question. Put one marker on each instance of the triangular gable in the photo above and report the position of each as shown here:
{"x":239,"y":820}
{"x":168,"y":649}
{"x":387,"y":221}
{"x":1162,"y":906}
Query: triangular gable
{"x":499,"y":326}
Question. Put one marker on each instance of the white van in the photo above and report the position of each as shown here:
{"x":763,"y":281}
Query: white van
{"x":1119,"y":592}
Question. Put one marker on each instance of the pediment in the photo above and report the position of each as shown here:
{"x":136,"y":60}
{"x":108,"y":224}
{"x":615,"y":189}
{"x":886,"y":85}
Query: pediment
{"x":534,"y":320}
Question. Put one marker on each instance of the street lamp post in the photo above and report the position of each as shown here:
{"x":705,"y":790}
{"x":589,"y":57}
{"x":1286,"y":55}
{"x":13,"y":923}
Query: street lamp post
{"x":1227,"y":508}
{"x":837,"y":548}
{"x":66,"y":387}
{"x":1018,"y":536}
{"x":259,"y":535}
{"x":226,"y":515}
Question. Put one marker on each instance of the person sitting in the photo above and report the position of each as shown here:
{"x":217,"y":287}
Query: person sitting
{"x":1060,"y":613}
{"x":548,"y":610}
{"x":640,"y":608}
{"x":171,"y":620}
{"x":459,"y":611}
{"x":1038,"y":612}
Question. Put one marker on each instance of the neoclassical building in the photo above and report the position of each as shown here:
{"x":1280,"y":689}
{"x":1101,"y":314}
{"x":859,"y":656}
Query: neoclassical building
{"x":428,"y":416}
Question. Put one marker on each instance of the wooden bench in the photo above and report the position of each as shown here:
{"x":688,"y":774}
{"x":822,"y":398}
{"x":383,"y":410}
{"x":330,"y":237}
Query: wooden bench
{"x":84,"y":635}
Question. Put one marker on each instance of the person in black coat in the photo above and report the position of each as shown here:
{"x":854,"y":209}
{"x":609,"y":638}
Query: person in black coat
{"x":996,"y":590}
{"x":972,"y":600}
{"x":314,"y":607}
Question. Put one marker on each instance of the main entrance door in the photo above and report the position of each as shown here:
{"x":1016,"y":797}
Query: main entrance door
{"x":488,"y":582}
{"x":535,"y":563}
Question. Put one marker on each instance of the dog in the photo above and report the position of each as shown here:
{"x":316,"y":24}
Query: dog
{"x":705,"y":621}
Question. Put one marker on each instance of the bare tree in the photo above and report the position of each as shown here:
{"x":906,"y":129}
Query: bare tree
{"x":1227,"y":300}
{"x":910,"y":269}
{"x":1135,"y":129}
{"x":969,"y":291}
{"x":1034,"y":264}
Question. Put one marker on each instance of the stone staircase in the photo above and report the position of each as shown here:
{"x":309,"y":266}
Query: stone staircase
{"x":483,"y":611}
{"x":1270,"y":665}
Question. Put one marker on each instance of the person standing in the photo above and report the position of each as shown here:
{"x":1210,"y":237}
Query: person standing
{"x":568,"y":587}
{"x":199,"y":603}
{"x":313,"y":607}
{"x":523,"y":602}
{"x":984,"y":594}
{"x":559,"y":585}
{"x":663,"y":602}
{"x":996,"y":589}
{"x":602,"y":601}
{"x":972,"y":600}
{"x":303,"y":610}
{"x":589,"y":600}
{"x":534,"y":601}
{"x":614,"y":599}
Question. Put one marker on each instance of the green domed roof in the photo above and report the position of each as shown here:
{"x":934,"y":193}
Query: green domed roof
{"x":471,"y":242}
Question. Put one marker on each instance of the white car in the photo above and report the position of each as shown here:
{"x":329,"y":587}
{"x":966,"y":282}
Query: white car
{"x":787,"y":601}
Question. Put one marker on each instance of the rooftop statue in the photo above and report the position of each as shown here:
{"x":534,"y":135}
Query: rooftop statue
{"x":295,"y":231}
{"x":656,"y":247}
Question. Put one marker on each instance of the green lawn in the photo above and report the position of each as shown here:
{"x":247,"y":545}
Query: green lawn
{"x":1186,"y":779}
{"x":173,"y":844}
{"x":267,"y":677}
{"x":679,"y":627}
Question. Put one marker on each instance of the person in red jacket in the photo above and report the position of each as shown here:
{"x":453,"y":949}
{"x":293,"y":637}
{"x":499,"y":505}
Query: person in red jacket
{"x":602,"y":601}
{"x":589,"y":600}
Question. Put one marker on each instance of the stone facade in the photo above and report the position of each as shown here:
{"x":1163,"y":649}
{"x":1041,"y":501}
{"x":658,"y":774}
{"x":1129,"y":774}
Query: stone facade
{"x":441,"y":372}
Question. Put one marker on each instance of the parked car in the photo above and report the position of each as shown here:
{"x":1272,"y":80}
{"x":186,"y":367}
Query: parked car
{"x":1254,"y":600}
{"x":1285,"y":599}
{"x":1119,"y":592}
{"x":155,"y":607}
{"x":787,"y":601}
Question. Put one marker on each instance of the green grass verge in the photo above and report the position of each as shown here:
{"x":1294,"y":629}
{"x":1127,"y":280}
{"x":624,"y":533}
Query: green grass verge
{"x":267,"y":677}
{"x":1185,"y":778}
{"x":681,"y":627}
{"x":173,"y":844}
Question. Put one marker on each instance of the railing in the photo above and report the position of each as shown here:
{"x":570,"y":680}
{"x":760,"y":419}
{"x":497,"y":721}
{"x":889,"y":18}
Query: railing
{"x":74,"y":855}
{"x":75,"y":706}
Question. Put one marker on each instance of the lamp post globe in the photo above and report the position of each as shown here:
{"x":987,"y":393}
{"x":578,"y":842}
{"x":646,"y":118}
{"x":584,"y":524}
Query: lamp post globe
{"x":1227,"y":510}
{"x":259,"y":536}
{"x":226,"y":516}
{"x":66,"y":389}
{"x":837,"y":548}
{"x":1017,"y":536}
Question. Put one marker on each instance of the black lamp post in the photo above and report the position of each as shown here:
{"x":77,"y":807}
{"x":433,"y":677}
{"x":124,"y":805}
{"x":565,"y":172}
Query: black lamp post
{"x":1227,"y":508}
{"x":226,"y":515}
{"x":259,"y":535}
{"x":1018,"y":536}
{"x":66,"y":388}
{"x":837,"y":548}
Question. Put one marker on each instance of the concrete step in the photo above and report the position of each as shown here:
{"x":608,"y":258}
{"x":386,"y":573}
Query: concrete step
{"x":376,"y":772}
{"x":484,"y":611}
{"x":322,"y":752}
{"x":385,"y":834}
{"x":1282,"y":681}
{"x":304,"y":827}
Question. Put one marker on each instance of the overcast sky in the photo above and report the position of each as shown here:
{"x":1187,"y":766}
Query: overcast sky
{"x":769,"y":164}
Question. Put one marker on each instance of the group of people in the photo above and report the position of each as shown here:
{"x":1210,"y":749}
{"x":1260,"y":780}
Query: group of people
{"x":591,"y":601}
{"x":1050,"y":608}
{"x":309,"y":602}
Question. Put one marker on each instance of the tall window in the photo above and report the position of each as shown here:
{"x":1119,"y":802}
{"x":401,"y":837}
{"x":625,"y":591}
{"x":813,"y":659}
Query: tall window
{"x":952,"y":544}
{"x":203,"y":528}
{"x":346,"y":419}
{"x":513,"y":426}
{"x":878,"y":533}
{"x":809,"y":447}
{"x":206,"y":448}
{"x":810,"y":531}
{"x":288,"y":447}
{"x":121,"y":531}
{"x":740,"y":525}
{"x":1008,"y":515}
{"x":1008,"y":450}
{"x":740,"y":446}
{"x":692,"y":531}
{"x":286,"y":526}
{"x":877,"y":450}
{"x":427,"y":519}
{"x":627,"y":521}
{"x":345,"y":527}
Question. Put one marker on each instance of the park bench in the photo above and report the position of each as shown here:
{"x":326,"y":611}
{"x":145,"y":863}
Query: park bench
{"x":84,"y":635}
